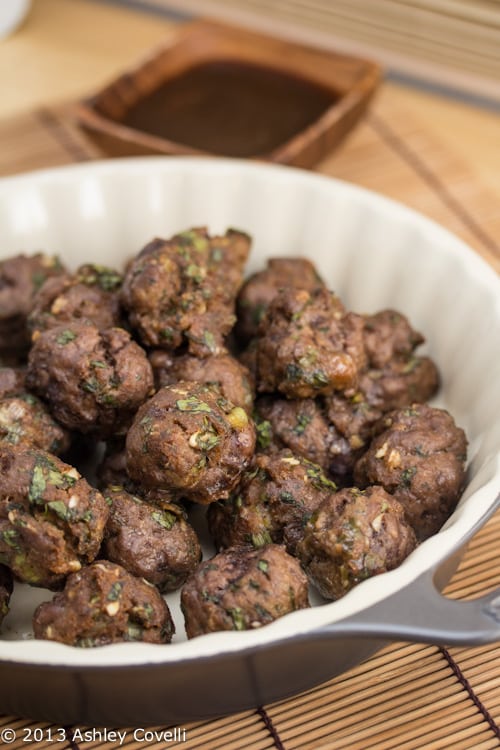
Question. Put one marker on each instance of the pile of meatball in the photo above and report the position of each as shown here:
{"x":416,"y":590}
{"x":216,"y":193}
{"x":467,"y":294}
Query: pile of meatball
{"x":128,"y":399}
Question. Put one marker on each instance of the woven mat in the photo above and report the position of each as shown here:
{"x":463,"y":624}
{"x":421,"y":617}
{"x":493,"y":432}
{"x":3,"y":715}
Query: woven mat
{"x":406,"y":696}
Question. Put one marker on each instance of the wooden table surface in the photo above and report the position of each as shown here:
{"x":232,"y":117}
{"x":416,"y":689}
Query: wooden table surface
{"x":67,"y":48}
{"x":436,"y":155}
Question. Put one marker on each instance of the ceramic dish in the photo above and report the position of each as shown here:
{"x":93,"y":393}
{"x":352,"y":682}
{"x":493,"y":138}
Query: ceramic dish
{"x":225,"y":91}
{"x":375,"y":253}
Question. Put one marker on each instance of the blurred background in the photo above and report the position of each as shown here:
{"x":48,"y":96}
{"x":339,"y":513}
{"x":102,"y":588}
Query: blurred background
{"x":442,"y":57}
{"x":451,"y":43}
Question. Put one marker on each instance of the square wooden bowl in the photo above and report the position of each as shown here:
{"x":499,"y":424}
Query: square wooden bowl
{"x":225,"y":91}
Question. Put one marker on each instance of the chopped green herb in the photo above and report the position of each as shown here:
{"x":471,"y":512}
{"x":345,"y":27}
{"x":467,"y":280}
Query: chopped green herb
{"x":237,"y":616}
{"x":11,"y":538}
{"x":419,"y":451}
{"x":106,"y":278}
{"x":407,"y":476}
{"x":115,"y":592}
{"x":208,"y":597}
{"x":204,"y":441}
{"x":59,"y":508}
{"x":164,"y":518}
{"x":264,"y":433}
{"x":86,"y":642}
{"x":65,"y":337}
{"x":38,"y":484}
{"x":167,"y":334}
{"x":293,"y":372}
{"x":195,"y":272}
{"x":319,"y":378}
{"x":192,"y":404}
{"x":263,"y":613}
{"x":318,"y":479}
{"x":258,"y":312}
{"x":263,"y":565}
{"x":37,"y":279}
{"x":209,"y":341}
{"x":134,"y":631}
{"x":411,"y":365}
{"x":288,"y":498}
{"x":303,"y":421}
{"x":91,"y":385}
{"x":261,"y":538}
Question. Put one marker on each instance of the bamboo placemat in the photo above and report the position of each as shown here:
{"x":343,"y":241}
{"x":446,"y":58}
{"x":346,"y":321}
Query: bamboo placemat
{"x":407,"y":696}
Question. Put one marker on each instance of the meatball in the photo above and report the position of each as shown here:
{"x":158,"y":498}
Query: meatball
{"x":272,"y":504}
{"x":302,"y":426}
{"x":6,"y":588}
{"x":223,"y":371}
{"x":419,"y":458}
{"x":152,"y":543}
{"x":182,"y":291}
{"x":307,"y":345}
{"x":89,"y":294}
{"x":354,"y":414}
{"x":243,"y":588}
{"x":393,"y":378}
{"x":12,"y":381}
{"x":388,"y":335}
{"x":94,"y":381}
{"x":354,"y":535}
{"x":51,"y":521}
{"x":401,"y":383}
{"x":189,"y":439}
{"x":112,"y":472}
{"x":25,"y":419}
{"x":20,"y":277}
{"x":259,"y":290}
{"x":104,"y":604}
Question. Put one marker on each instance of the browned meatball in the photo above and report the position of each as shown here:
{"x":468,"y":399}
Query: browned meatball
{"x":243,"y":588}
{"x":112,"y":472}
{"x":419,"y":458}
{"x":393,"y":378}
{"x":93,"y":381}
{"x":272,"y":504}
{"x":6,"y":588}
{"x":183,"y":290}
{"x":25,"y":419}
{"x":152,"y":543}
{"x":51,"y":521}
{"x":12,"y":381}
{"x":222,"y":370}
{"x":189,"y":439}
{"x":400,"y":383}
{"x":259,"y":290}
{"x":302,"y":426}
{"x":388,"y":335}
{"x":307,"y":345}
{"x":103,"y":604}
{"x":91,"y":293}
{"x":354,"y":414}
{"x":20,"y":277}
{"x":352,"y":536}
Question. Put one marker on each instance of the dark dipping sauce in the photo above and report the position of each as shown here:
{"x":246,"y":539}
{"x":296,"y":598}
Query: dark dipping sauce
{"x":231,"y":109}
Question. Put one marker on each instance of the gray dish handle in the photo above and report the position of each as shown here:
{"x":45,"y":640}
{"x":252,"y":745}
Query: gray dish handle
{"x":421,"y":613}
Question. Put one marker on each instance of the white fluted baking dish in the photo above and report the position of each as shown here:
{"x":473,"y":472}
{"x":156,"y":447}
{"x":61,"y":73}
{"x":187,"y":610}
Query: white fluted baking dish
{"x":375,"y":253}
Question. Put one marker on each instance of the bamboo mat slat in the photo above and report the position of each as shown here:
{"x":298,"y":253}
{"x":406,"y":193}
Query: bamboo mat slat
{"x":407,"y":696}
